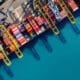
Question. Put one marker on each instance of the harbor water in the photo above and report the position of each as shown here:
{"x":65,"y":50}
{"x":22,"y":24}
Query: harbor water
{"x":62,"y":63}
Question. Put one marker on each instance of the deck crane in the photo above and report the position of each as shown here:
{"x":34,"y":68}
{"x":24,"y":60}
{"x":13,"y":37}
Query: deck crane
{"x":47,"y":17}
{"x":68,"y":12}
{"x":70,"y":16}
{"x":6,"y":60}
{"x":50,"y":22}
{"x":17,"y":51}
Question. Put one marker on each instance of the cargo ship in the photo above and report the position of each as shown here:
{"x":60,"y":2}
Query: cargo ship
{"x":27,"y":25}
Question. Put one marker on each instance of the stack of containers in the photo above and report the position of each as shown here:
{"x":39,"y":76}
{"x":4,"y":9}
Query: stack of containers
{"x":20,"y":38}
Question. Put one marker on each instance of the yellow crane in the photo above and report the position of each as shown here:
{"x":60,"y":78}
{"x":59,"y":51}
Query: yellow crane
{"x":64,"y":6}
{"x":47,"y":17}
{"x":13,"y":40}
{"x":6,"y":60}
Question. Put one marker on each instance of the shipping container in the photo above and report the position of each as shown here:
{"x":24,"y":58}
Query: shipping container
{"x":19,"y":37}
{"x":30,"y":30}
{"x":33,"y":23}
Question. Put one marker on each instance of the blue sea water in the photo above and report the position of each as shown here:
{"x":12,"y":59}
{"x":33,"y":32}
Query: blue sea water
{"x":63,"y":63}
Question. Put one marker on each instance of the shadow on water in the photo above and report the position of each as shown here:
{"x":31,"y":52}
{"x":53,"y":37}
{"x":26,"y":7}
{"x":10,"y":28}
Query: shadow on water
{"x":74,"y":26}
{"x":44,"y":40}
{"x":77,"y":24}
{"x":31,"y":45}
{"x":44,"y":36}
{"x":1,"y":77}
{"x":7,"y":70}
{"x":77,"y":13}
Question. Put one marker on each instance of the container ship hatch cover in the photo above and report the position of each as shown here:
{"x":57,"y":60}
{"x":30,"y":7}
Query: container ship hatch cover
{"x":21,"y":40}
